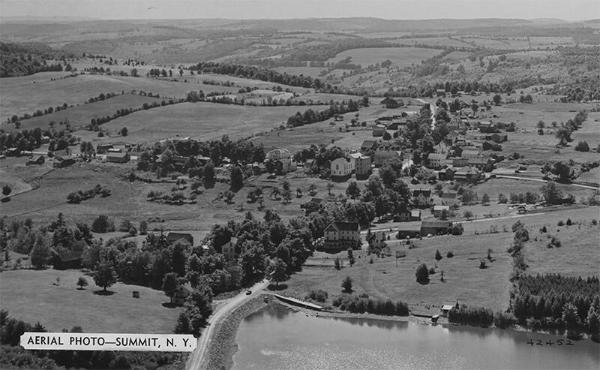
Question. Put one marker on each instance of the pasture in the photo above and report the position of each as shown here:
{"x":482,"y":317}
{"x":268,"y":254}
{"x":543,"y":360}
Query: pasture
{"x":402,"y":56}
{"x":35,"y":297}
{"x":463,"y":279}
{"x":201,"y":121}
{"x":80,"y":115}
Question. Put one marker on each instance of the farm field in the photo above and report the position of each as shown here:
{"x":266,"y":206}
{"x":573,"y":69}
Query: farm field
{"x":80,"y":115}
{"x":403,"y":56}
{"x":200,"y":121}
{"x":35,"y":298}
{"x":579,"y":254}
{"x":464,"y":281}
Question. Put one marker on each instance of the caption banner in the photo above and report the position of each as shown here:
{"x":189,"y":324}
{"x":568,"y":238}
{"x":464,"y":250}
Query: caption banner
{"x":109,"y":342}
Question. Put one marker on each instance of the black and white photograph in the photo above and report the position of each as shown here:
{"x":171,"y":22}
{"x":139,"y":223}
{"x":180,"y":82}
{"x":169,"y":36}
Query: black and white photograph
{"x":299,"y":184}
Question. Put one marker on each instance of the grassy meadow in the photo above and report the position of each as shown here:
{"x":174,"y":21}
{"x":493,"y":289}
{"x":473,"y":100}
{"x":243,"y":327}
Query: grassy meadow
{"x":35,"y":296}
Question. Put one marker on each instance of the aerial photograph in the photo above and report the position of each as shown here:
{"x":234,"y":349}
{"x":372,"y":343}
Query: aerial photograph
{"x":315,"y":184}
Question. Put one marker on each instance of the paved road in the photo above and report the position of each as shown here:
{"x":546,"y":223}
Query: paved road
{"x":542,"y":180}
{"x":199,"y":356}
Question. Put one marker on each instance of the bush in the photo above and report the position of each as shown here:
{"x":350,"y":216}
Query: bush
{"x":362,"y":304}
{"x":468,"y":214}
{"x":422,"y":274}
{"x":317,"y":295}
{"x":449,"y":254}
{"x":554,"y":243}
{"x":582,"y":146}
{"x":561,"y":223}
{"x":102,"y":224}
{"x":457,"y":229}
{"x":569,"y":222}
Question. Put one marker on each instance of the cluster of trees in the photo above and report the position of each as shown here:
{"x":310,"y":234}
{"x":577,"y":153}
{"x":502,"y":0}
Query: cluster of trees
{"x":553,"y":301}
{"x":77,"y":196}
{"x":363,"y":303}
{"x":310,"y":116}
{"x":563,"y":134}
{"x":26,"y":59}
{"x":12,"y":356}
{"x":257,"y":73}
{"x":475,"y":316}
{"x":27,"y":140}
{"x":167,"y":157}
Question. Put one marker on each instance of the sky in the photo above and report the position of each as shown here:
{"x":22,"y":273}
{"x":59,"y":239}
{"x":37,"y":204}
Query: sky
{"x":274,"y":9}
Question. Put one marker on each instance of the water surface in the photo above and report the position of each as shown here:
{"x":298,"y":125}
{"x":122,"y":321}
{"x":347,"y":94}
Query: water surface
{"x":277,"y":338}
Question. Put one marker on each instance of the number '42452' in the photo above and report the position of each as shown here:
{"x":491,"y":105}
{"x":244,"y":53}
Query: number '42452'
{"x":550,"y":342}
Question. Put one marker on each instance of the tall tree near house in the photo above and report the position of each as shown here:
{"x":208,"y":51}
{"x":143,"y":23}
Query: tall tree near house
{"x":352,"y":190}
{"x":105,"y":276}
{"x":170,"y":285}
{"x":40,"y":254}
{"x":329,"y":187}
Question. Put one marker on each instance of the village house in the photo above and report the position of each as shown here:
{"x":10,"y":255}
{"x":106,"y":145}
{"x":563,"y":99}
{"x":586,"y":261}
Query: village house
{"x":66,"y":259}
{"x":438,"y":210}
{"x":446,"y":174}
{"x":385,"y":157}
{"x":436,"y":160}
{"x":458,"y":161}
{"x":480,"y":163}
{"x":409,"y":230}
{"x":62,"y":160}
{"x":487,"y":127}
{"x":497,"y":138}
{"x":378,"y":130}
{"x":117,"y":157}
{"x":172,"y":237}
{"x":283,"y":157}
{"x":361,"y":164}
{"x":468,"y":174}
{"x":449,"y":198}
{"x":422,"y":198}
{"x":407,"y":216}
{"x":470,"y":154}
{"x":103,"y":148}
{"x":228,"y":249}
{"x":342,"y":235}
{"x":341,"y":169}
{"x":368,"y":145}
{"x":435,"y":227}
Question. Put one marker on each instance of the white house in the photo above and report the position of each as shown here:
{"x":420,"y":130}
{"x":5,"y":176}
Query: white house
{"x":341,"y":168}
{"x":436,"y":160}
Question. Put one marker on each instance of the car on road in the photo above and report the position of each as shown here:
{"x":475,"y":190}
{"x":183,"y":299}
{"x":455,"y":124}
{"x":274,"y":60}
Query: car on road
{"x":248,"y":292}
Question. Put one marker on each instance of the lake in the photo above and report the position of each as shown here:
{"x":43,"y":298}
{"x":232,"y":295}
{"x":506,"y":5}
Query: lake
{"x":278,"y":338}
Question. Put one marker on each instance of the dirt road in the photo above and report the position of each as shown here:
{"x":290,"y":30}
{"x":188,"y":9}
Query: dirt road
{"x":198,"y":358}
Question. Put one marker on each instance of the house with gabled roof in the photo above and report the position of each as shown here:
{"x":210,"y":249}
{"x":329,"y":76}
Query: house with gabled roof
{"x":342,"y":235}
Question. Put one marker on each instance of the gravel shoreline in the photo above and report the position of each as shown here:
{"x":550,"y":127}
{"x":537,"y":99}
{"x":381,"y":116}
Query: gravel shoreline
{"x":223,"y":346}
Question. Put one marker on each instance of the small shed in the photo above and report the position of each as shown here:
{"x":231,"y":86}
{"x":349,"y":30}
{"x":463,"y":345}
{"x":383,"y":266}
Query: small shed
{"x":446,"y":309}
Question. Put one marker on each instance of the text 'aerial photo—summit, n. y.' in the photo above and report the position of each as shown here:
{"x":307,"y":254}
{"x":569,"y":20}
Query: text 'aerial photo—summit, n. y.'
{"x":301,"y":185}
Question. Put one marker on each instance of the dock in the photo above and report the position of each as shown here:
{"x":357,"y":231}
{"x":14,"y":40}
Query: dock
{"x":297,"y":302}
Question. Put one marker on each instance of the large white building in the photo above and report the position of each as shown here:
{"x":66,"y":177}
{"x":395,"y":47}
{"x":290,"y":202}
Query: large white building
{"x":341,"y":168}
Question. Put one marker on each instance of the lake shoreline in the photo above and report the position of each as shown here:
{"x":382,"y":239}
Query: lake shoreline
{"x":226,"y":336}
